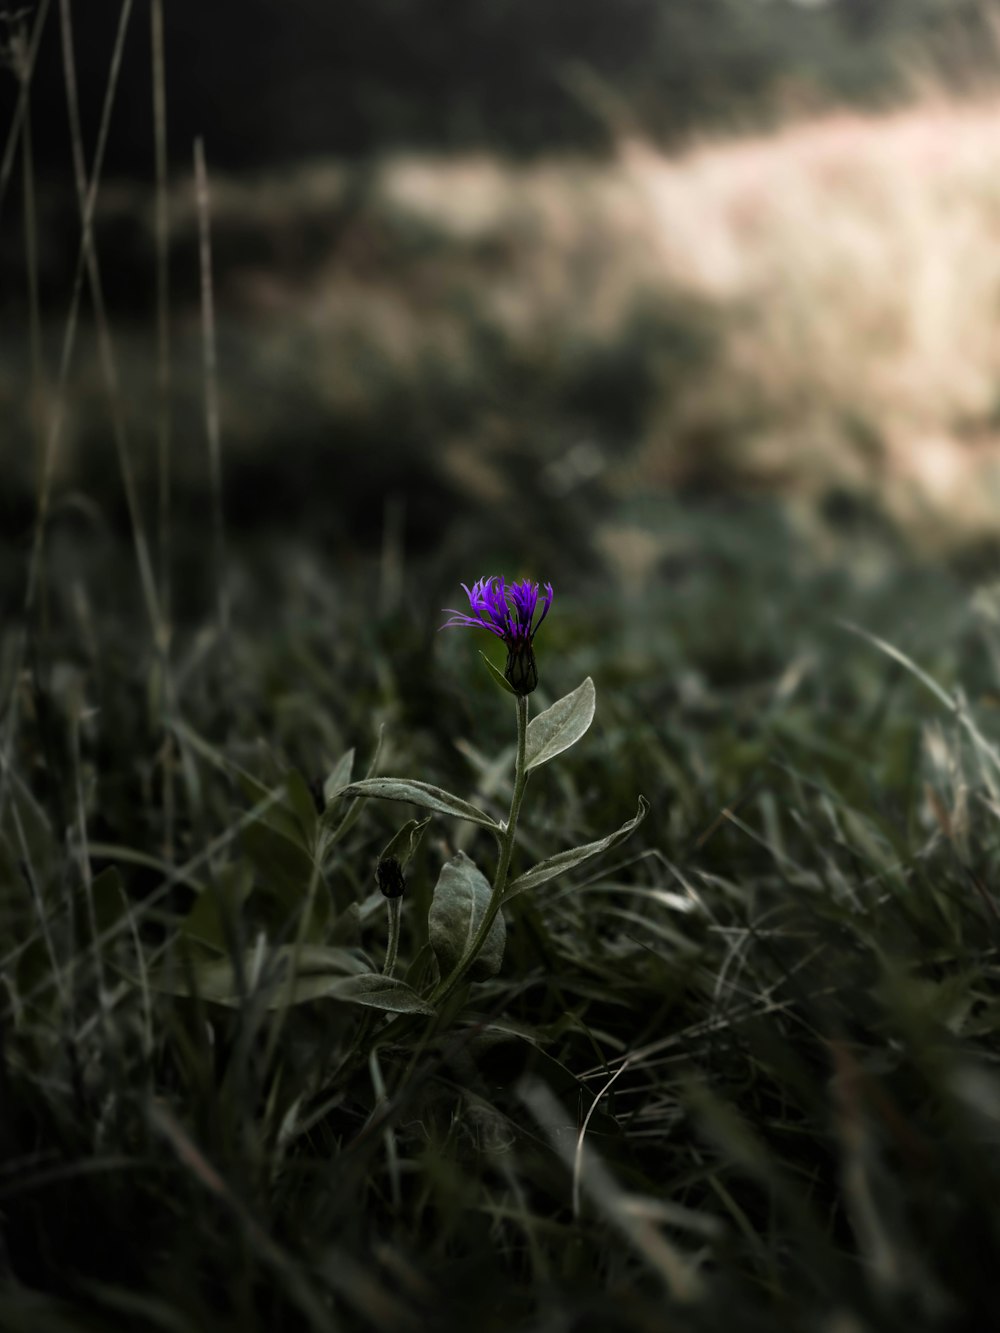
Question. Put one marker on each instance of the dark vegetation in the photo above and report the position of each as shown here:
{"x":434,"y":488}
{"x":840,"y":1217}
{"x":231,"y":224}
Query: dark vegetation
{"x":791,"y":966}
{"x":265,"y":83}
{"x":770,"y":1017}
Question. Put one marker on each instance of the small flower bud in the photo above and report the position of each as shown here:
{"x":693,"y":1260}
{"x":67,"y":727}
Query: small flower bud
{"x":390,"y":878}
{"x":521,"y":673}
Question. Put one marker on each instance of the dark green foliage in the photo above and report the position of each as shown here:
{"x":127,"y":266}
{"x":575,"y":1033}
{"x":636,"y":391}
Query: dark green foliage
{"x":789,"y":968}
{"x":736,"y":1070}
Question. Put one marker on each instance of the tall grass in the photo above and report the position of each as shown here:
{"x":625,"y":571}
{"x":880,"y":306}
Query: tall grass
{"x":744,"y":1070}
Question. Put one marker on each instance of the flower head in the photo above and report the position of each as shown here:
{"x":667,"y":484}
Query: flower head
{"x":507,"y":612}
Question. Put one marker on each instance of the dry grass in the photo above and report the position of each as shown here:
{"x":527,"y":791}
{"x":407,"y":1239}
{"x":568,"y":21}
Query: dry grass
{"x":858,"y":263}
{"x":808,"y":311}
{"x":851,"y":271}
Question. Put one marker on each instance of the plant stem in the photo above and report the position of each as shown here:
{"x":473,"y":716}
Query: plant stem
{"x":447,"y":984}
{"x":445,"y":987}
{"x":392,"y":944}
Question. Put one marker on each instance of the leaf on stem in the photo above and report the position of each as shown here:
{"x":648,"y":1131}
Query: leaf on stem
{"x":562,"y":861}
{"x":461,"y":897}
{"x":321,"y":973}
{"x":335,"y":830}
{"x":560,"y":726}
{"x":339,"y":776}
{"x":405,"y":841}
{"x":498,"y":675}
{"x":420,"y":793}
{"x":376,"y":991}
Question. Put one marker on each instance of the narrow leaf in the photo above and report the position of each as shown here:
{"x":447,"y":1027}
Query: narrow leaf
{"x":562,"y":861}
{"x":319,"y":972}
{"x":560,"y":726}
{"x":132,"y":857}
{"x":498,"y":675}
{"x":405,"y":841}
{"x":336,"y":830}
{"x":461,"y":897}
{"x":420,"y":793}
{"x":339,"y":776}
{"x":284,"y":868}
{"x":300,"y":799}
{"x":279,"y":814}
{"x":380,"y":992}
{"x":213,"y":917}
{"x":107,"y":894}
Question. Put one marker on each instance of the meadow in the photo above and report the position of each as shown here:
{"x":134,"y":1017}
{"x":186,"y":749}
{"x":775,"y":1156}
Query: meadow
{"x":737,"y":1068}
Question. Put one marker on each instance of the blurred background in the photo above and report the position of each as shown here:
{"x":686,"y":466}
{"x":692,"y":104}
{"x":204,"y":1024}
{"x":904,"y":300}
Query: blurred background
{"x":507,"y":282}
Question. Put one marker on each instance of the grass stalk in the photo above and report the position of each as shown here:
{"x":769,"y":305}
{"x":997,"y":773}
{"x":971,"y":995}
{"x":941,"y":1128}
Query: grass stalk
{"x":164,"y":419}
{"x":25,"y":73}
{"x":87,"y":197}
{"x":210,"y":362}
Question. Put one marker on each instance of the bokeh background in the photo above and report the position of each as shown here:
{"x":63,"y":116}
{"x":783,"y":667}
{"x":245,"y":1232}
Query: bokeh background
{"x":511,"y":282}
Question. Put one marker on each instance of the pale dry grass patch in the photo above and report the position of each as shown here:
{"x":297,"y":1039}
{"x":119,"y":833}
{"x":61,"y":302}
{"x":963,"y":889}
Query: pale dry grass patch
{"x":811,"y":310}
{"x":857,"y":260}
{"x":850,"y":267}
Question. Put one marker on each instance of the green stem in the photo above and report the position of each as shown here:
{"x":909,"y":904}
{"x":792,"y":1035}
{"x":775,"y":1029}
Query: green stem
{"x":447,"y":985}
{"x":392,"y":946}
{"x":403,"y":1022}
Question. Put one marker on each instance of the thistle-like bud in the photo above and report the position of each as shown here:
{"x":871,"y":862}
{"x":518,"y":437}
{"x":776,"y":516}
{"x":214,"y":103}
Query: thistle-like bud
{"x":390,"y":878}
{"x":521,"y":673}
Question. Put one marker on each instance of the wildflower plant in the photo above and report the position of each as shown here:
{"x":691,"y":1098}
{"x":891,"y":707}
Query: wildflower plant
{"x":465,"y":925}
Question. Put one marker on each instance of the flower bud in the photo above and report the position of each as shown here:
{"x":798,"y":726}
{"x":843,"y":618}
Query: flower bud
{"x":390,"y":878}
{"x":521,"y":673}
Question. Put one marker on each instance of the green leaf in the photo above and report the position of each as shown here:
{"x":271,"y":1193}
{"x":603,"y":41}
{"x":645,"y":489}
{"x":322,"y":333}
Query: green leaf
{"x":109,"y":901}
{"x":130,"y":856}
{"x":300,"y":800}
{"x":562,"y":861}
{"x":560,"y":726}
{"x":336,"y":822}
{"x":24,"y":826}
{"x":279,"y":814}
{"x":287,"y":873}
{"x":319,"y":970}
{"x":339,"y":776}
{"x":405,"y":841}
{"x":498,"y":675}
{"x":420,"y":793}
{"x":212,"y":920}
{"x":283,"y":865}
{"x":216,"y":982}
{"x":287,"y":808}
{"x":461,"y":897}
{"x":380,"y":992}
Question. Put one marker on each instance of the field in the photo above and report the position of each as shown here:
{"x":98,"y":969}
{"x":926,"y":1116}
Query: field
{"x":737,"y":1068}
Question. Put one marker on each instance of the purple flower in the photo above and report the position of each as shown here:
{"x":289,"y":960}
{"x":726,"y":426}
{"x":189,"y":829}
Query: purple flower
{"x":508,"y":613}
